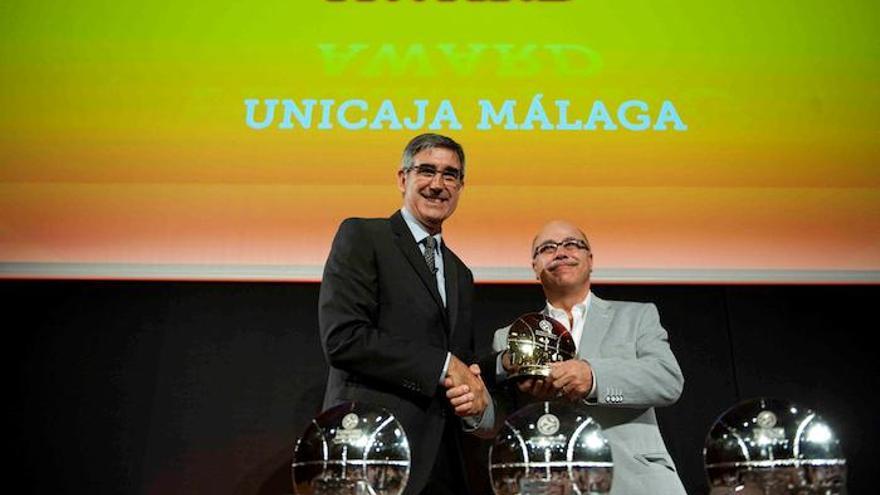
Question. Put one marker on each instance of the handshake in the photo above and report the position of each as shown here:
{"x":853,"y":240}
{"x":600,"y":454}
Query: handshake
{"x":541,"y":357}
{"x":465,"y":388}
{"x":571,"y":379}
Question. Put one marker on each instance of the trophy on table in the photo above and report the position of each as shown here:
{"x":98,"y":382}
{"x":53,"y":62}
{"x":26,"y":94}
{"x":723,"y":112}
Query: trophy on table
{"x":352,"y":449}
{"x":551,"y":448}
{"x":768,"y":446}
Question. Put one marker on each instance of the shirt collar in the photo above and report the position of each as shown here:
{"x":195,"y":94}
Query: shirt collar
{"x":418,"y":230}
{"x":581,"y":307}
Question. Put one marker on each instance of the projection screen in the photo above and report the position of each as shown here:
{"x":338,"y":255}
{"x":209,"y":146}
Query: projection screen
{"x":694,"y":142}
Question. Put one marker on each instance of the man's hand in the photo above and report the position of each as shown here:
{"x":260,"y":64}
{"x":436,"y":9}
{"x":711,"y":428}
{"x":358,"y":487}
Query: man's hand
{"x":539,"y":388}
{"x":506,"y":363}
{"x":465,"y":389}
{"x":572,"y":379}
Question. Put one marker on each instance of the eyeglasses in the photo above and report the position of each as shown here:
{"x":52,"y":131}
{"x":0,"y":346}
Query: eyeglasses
{"x":450,"y":176}
{"x":550,"y":248}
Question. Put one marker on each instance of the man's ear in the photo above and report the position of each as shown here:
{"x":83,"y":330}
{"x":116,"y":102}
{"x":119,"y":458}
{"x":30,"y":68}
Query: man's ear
{"x":401,"y":180}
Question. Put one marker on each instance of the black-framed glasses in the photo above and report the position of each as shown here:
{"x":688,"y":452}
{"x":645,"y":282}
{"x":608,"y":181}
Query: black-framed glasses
{"x":451,"y":176}
{"x":569,"y":245}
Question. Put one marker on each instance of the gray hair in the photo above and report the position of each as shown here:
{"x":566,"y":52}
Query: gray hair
{"x":424,"y":142}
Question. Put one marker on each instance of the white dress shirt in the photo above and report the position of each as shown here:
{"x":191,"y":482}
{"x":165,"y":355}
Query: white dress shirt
{"x":579,"y":315}
{"x":420,"y":234}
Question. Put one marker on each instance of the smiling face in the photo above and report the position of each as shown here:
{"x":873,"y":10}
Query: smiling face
{"x":432,"y":200}
{"x":565,"y":268}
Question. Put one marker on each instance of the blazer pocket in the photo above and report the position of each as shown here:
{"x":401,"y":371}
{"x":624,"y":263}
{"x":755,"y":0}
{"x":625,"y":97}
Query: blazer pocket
{"x":353,"y":391}
{"x":656,"y":459}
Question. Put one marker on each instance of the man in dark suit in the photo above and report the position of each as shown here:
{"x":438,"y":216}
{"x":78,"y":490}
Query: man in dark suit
{"x":395,"y":318}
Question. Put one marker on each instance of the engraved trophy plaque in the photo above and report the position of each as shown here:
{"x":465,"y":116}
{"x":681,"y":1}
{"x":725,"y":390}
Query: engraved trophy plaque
{"x":534,"y":341}
{"x":352,"y":449}
{"x":773,"y":447}
{"x":550,"y":448}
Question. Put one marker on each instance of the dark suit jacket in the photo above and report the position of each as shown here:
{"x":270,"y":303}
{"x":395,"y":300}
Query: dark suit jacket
{"x":385,"y":332}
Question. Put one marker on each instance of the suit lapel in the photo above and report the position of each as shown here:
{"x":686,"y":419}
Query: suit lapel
{"x":450,"y":269}
{"x":407,"y":245}
{"x":595,"y":327}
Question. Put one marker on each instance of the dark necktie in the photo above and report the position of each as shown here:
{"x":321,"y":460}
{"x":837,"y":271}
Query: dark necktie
{"x":430,"y":244}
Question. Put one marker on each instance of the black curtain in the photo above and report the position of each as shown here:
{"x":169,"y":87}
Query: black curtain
{"x":186,"y":387}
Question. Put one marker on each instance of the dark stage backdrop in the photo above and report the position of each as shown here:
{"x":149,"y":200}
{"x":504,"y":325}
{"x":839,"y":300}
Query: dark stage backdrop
{"x":159,"y":387}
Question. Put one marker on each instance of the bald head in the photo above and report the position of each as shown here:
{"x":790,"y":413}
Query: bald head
{"x":555,"y":227}
{"x":562,"y":261}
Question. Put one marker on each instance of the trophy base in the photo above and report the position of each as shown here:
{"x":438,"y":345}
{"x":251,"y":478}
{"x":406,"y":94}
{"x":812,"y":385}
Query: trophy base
{"x":531,"y":372}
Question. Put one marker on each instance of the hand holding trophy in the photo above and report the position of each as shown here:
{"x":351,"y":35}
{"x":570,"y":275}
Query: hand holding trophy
{"x":534,"y":341}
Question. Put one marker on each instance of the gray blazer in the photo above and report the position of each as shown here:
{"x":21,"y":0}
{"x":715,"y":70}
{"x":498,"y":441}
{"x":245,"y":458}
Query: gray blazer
{"x":634,"y":371}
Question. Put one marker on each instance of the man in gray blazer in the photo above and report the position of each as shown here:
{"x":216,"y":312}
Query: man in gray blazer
{"x":624,"y":369}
